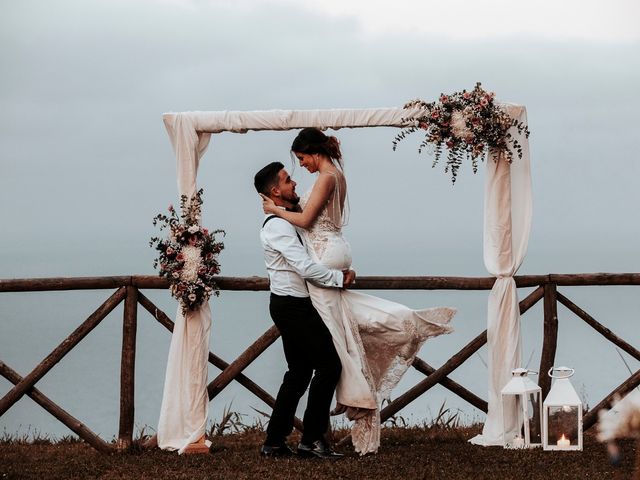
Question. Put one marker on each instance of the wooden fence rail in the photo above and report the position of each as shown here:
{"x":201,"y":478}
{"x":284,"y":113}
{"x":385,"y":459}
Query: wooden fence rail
{"x":127,"y":290}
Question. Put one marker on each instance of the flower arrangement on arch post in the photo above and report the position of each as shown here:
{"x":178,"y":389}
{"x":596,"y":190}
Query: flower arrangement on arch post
{"x":467,"y":124}
{"x":188,"y":257}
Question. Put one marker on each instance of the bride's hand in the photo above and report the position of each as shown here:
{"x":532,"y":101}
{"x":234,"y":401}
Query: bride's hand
{"x":268,"y":205}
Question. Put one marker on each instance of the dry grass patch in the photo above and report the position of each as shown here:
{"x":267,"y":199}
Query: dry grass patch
{"x":427,"y":452}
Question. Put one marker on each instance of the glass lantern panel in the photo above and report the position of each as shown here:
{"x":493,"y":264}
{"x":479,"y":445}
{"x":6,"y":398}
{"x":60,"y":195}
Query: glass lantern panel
{"x":512,"y":425}
{"x":562,"y":426}
{"x":535,"y":422}
{"x":530,"y":415}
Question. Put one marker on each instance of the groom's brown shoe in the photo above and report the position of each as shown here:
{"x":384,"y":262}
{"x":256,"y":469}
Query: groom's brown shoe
{"x":318,"y":449}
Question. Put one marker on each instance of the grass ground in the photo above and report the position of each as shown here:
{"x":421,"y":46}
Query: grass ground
{"x":406,"y":453}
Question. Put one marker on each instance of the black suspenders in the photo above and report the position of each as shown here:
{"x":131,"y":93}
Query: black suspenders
{"x":266,"y":220}
{"x":271,"y":217}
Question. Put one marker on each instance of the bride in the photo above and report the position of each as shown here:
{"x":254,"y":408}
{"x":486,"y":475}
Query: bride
{"x":376,"y":339}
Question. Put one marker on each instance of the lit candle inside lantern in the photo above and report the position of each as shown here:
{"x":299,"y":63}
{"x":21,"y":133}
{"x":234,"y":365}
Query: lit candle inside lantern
{"x":564,"y":442}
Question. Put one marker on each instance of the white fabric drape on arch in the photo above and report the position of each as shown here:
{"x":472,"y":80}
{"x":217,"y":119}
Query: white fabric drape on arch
{"x":506,"y":233}
{"x":185,"y":401}
{"x":507,"y":223}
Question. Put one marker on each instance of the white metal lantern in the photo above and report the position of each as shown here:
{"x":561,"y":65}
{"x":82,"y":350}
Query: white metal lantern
{"x":523,"y":431}
{"x":562,"y":410}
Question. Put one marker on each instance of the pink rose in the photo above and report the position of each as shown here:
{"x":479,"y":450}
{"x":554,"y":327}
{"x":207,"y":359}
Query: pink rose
{"x":435,"y":114}
{"x":192,"y":297}
{"x":205,"y":231}
{"x":466,"y":95}
{"x":170,"y":251}
{"x":484,"y":102}
{"x":450,"y":143}
{"x":444,"y":99}
{"x":180,"y":257}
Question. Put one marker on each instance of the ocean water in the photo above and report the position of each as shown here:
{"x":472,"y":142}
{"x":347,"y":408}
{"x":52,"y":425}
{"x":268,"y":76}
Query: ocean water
{"x":86,"y":381}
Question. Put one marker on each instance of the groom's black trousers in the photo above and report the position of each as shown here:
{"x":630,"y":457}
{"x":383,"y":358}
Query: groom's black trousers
{"x":308,"y":347}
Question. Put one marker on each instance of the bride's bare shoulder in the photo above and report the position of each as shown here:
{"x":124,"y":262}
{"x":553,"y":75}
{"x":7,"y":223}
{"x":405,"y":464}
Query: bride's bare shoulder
{"x":327,"y":179}
{"x":331,"y":176}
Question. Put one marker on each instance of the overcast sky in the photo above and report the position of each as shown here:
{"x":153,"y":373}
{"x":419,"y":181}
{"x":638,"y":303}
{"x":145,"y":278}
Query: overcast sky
{"x":85,"y":161}
{"x":85,"y":164}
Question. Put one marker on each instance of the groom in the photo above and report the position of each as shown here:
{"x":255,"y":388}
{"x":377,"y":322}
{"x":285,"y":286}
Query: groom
{"x":307,"y":343}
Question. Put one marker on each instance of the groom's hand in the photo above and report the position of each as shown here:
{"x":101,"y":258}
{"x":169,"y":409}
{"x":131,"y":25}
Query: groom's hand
{"x":349,"y":278}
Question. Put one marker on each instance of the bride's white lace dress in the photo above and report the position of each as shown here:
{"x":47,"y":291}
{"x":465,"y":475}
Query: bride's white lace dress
{"x":376,"y":339}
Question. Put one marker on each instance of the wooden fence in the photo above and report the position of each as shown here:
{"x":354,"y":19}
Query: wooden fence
{"x":127,"y":289}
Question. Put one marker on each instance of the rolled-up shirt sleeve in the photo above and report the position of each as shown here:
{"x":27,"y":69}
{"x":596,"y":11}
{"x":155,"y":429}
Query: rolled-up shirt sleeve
{"x":282,"y":236}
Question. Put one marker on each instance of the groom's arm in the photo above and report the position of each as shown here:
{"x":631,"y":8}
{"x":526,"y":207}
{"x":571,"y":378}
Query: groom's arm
{"x":281,"y":236}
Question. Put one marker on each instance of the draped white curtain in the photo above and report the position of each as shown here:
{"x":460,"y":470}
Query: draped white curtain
{"x":185,"y":402}
{"x":507,"y":222}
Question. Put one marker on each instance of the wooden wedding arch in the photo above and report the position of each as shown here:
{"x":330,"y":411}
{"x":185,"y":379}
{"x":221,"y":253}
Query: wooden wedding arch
{"x":190,"y":133}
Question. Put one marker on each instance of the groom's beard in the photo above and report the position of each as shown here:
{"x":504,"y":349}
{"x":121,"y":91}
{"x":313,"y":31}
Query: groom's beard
{"x":294,"y":200}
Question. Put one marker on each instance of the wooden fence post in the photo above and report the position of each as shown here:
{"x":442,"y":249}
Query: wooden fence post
{"x":127,"y":369}
{"x":550,"y":340}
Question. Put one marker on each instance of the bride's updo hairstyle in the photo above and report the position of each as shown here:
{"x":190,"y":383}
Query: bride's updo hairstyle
{"x":312,"y":140}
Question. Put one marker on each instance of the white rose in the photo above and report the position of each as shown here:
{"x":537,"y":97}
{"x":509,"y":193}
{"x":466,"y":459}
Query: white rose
{"x":194,"y":229}
{"x":459,"y":126}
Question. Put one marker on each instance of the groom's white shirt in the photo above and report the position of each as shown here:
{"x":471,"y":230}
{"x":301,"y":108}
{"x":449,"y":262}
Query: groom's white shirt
{"x":288,"y":263}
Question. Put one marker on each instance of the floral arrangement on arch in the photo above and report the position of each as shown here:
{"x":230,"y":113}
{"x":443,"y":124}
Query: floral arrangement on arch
{"x":467,"y":124}
{"x":188,"y":258}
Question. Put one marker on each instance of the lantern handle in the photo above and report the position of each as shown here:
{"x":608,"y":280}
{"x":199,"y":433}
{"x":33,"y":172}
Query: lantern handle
{"x":564,"y":369}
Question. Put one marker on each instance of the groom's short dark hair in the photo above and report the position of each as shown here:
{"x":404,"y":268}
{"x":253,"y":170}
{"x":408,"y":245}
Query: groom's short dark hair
{"x":267,"y":177}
